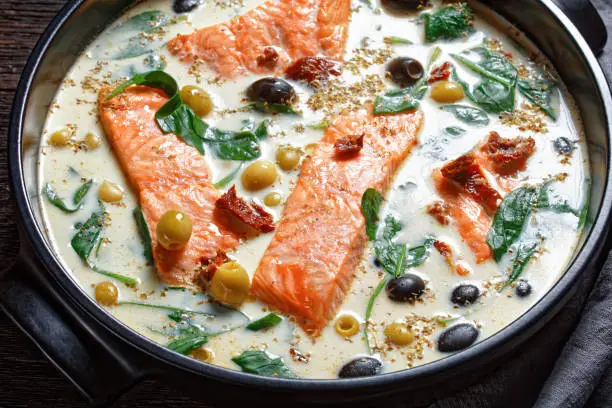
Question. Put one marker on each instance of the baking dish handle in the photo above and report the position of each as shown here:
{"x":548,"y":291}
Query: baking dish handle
{"x":93,"y":360}
{"x":587,"y":19}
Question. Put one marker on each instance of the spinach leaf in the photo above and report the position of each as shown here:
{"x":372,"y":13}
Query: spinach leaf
{"x":468,"y":114}
{"x":584,"y":213}
{"x":370,"y":207}
{"x":189,"y":339}
{"x":228,"y":179}
{"x":539,"y":92}
{"x":510,"y":218}
{"x":86,"y":238}
{"x":553,"y":202}
{"x":392,"y":227}
{"x":393,"y":40}
{"x":496,"y":92}
{"x":136,"y":36}
{"x":404,"y":99}
{"x":455,"y":130}
{"x":168,"y":308}
{"x":177,"y":118}
{"x":263,"y":363}
{"x":77,"y":199}
{"x":524,"y":252}
{"x":143,"y":228}
{"x":269,"y":320}
{"x":450,"y":22}
{"x":396,"y":258}
{"x":370,"y":307}
{"x":88,"y":234}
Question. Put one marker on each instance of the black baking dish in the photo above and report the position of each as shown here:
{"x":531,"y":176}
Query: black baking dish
{"x":104,"y":358}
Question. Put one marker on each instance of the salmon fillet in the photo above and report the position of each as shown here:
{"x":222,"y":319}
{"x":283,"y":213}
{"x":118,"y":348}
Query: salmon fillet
{"x":309,"y":265}
{"x":267,"y":38}
{"x":468,"y":197}
{"x":167,"y":174}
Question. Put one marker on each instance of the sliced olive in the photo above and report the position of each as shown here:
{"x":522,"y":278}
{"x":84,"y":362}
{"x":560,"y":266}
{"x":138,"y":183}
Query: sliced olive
{"x":465,"y":294}
{"x":523,"y":288}
{"x":203,"y":354}
{"x":273,"y":199}
{"x":399,"y":334}
{"x":360,"y":367}
{"x":404,"y":6}
{"x":457,"y":337}
{"x":271,"y":90}
{"x":347,"y":326}
{"x":185,"y":6}
{"x":92,"y":141}
{"x":447,"y":92}
{"x":173,"y":230}
{"x":406,"y":288}
{"x":106,"y":293}
{"x":197,"y":99}
{"x":288,"y":157}
{"x":259,"y":175}
{"x":405,"y":71}
{"x":230,"y":284}
{"x":563,"y":145}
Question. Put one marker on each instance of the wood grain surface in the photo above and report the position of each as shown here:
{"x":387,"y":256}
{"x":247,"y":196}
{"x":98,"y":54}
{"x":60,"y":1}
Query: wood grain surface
{"x":27,"y":379}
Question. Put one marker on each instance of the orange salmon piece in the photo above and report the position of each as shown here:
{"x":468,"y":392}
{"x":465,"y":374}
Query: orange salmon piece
{"x":167,"y":174}
{"x":470,"y":218}
{"x":269,"y":37}
{"x":309,"y":265}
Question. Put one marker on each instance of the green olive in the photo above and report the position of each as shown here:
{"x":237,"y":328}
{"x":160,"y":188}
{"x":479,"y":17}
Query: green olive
{"x":110,"y":192}
{"x":92,"y":141}
{"x":288,"y":158}
{"x":446,"y":92}
{"x":197,"y":99}
{"x":399,"y":334}
{"x":60,"y":138}
{"x":259,"y":175}
{"x":230,"y":284}
{"x":273,"y":199}
{"x":203,"y":354}
{"x":107,"y":293}
{"x":347,"y":326}
{"x":173,"y":230}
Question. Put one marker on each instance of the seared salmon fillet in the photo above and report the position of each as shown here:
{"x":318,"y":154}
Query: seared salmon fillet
{"x":269,"y":37}
{"x":167,"y":174}
{"x":309,"y":265}
{"x":469,"y":199}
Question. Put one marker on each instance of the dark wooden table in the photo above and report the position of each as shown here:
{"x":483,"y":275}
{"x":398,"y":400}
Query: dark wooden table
{"x":27,"y":379}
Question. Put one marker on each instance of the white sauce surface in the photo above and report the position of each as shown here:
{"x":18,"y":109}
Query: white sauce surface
{"x":412,"y":190}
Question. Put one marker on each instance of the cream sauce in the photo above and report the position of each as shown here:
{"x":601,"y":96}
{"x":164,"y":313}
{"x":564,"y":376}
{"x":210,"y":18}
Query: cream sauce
{"x":412,"y":190}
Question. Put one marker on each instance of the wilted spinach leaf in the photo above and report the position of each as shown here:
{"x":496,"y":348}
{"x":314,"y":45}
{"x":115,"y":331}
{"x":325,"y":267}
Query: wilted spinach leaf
{"x":136,"y":36}
{"x":271,"y":107}
{"x":145,"y":233}
{"x":370,"y":207}
{"x":263,"y":363}
{"x":190,"y":338}
{"x":468,"y":114}
{"x":269,"y":320}
{"x":450,"y":22}
{"x":539,"y":92}
{"x":77,"y":198}
{"x":396,"y":258}
{"x":455,"y":130}
{"x":524,"y":251}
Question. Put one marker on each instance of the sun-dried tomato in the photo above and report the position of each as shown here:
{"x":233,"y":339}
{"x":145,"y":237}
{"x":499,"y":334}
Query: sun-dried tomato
{"x":508,"y":155}
{"x":440,"y":73}
{"x":440,"y":211}
{"x":210,"y":265}
{"x":268,"y":58}
{"x":311,"y":69}
{"x":251,"y":213}
{"x":348,"y":146}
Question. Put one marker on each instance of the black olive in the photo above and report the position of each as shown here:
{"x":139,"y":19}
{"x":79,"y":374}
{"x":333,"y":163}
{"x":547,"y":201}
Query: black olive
{"x":406,"y":288}
{"x":271,"y":90}
{"x":563,"y":145}
{"x":523,"y":288}
{"x":405,"y":71}
{"x":377,"y":263}
{"x":465,"y":294}
{"x":360,"y":367}
{"x":185,"y":6}
{"x":457,"y":337}
{"x":404,"y":6}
